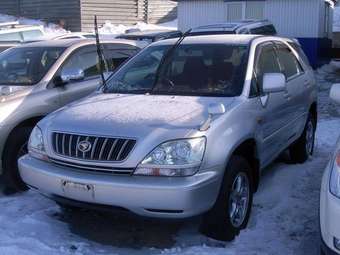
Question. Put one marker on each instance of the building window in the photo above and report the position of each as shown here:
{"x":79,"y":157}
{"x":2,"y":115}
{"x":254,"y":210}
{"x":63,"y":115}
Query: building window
{"x":244,"y":10}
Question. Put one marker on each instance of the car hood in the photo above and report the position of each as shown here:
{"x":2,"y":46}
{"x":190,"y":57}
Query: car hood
{"x":132,"y":115}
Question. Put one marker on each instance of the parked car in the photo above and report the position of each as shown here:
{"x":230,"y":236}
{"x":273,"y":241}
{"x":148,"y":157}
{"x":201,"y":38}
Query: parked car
{"x":12,"y":31}
{"x":151,"y":35}
{"x":12,"y":34}
{"x":181,"y":133}
{"x":330,"y":197}
{"x":260,"y":27}
{"x":38,"y":78}
{"x":76,"y":35}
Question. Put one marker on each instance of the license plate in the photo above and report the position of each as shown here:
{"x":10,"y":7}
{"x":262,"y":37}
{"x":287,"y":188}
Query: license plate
{"x":78,"y":191}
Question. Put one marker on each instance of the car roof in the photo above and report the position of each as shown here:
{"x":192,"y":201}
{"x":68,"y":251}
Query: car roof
{"x":209,"y":39}
{"x":150,"y":33}
{"x":73,"y":42}
{"x":230,"y":26}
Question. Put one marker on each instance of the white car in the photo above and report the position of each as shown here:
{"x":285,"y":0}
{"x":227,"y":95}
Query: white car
{"x":76,"y":35}
{"x":330,"y":197}
{"x":14,"y":32}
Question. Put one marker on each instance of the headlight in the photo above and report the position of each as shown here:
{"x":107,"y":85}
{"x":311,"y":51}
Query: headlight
{"x":174,"y":158}
{"x":36,"y":146}
{"x":335,"y":176}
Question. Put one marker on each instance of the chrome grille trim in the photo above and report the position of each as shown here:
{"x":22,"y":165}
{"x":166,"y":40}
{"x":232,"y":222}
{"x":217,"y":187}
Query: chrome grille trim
{"x":103,"y":149}
{"x":99,"y":169}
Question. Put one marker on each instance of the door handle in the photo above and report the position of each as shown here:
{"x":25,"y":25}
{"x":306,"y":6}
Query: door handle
{"x":307,"y":83}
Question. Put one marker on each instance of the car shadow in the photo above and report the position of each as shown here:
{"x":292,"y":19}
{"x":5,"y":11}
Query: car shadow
{"x":120,"y":229}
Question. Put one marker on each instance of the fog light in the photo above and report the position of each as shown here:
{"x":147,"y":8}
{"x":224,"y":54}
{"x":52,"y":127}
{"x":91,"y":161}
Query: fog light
{"x":337,"y":243}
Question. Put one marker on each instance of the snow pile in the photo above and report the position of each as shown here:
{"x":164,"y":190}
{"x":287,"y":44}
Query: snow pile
{"x":111,"y":29}
{"x":50,"y":29}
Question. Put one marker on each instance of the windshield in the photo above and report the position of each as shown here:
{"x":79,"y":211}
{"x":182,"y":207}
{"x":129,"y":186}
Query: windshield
{"x":27,"y":66}
{"x":207,"y":70}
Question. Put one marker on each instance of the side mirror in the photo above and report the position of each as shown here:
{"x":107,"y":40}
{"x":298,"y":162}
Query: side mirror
{"x":215,"y":109}
{"x":72,"y":74}
{"x":274,"y":82}
{"x":335,"y":93}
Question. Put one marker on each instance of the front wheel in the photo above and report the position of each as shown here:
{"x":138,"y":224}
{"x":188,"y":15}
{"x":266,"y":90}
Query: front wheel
{"x":231,"y":212}
{"x":303,"y":148}
{"x":16,"y":148}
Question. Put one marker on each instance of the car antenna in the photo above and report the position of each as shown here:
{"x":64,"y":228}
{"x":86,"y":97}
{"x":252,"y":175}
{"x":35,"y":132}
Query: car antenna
{"x":167,"y":55}
{"x":99,"y":52}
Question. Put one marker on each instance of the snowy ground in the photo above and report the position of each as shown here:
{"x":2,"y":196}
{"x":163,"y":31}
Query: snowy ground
{"x":284,"y":218}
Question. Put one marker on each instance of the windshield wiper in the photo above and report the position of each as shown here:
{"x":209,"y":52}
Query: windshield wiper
{"x":166,"y":57}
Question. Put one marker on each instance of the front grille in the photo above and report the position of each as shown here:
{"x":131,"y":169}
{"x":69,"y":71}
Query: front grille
{"x":98,"y":169}
{"x":99,"y":148}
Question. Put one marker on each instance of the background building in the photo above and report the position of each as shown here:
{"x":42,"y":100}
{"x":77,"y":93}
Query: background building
{"x":78,"y":14}
{"x":310,"y":21}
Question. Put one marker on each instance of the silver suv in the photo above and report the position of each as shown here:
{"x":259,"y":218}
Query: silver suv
{"x":183,"y":128}
{"x":38,"y":78}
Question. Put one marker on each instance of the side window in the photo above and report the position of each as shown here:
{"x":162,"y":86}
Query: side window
{"x":31,"y":35}
{"x":266,"y":63}
{"x":289,"y":64}
{"x":117,"y":54}
{"x":301,"y":53}
{"x":85,"y":59}
{"x":258,"y":31}
{"x":11,"y":37}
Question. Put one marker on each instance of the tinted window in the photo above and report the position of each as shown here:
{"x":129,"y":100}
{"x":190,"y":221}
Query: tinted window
{"x":26,"y":66}
{"x":116,"y":54}
{"x":85,"y":59}
{"x":11,"y":37}
{"x":266,"y":63}
{"x":32,"y":35}
{"x":264,"y":30}
{"x":288,"y":62}
{"x":210,"y":70}
{"x":301,"y":53}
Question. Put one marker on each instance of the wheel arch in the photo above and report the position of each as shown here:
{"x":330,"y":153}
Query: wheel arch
{"x":30,"y":122}
{"x":248,"y":149}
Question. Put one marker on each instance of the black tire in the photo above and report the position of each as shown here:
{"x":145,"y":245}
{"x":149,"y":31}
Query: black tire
{"x":15,"y":148}
{"x":303,"y":148}
{"x":217,"y":223}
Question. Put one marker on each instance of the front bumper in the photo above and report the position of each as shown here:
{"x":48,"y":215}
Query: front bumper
{"x":329,"y":216}
{"x":162,"y":197}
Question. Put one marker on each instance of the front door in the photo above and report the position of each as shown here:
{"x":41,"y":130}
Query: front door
{"x":272,"y":108}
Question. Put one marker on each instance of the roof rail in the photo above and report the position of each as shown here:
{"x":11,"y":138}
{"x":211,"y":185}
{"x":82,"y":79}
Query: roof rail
{"x":9,"y":24}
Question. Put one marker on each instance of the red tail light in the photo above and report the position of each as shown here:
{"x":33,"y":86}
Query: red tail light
{"x":337,"y":160}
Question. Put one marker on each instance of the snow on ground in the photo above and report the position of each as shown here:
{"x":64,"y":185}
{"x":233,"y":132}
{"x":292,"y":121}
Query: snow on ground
{"x":284,"y":218}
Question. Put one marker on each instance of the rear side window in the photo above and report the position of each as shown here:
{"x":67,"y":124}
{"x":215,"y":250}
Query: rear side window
{"x":289,"y":64}
{"x":301,"y":53}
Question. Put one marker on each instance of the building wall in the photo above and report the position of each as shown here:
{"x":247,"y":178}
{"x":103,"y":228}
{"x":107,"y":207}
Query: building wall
{"x":159,"y":11}
{"x":9,"y":7}
{"x":115,"y":11}
{"x":53,"y":11}
{"x":126,"y":11}
{"x":293,"y":18}
{"x":46,"y":10}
